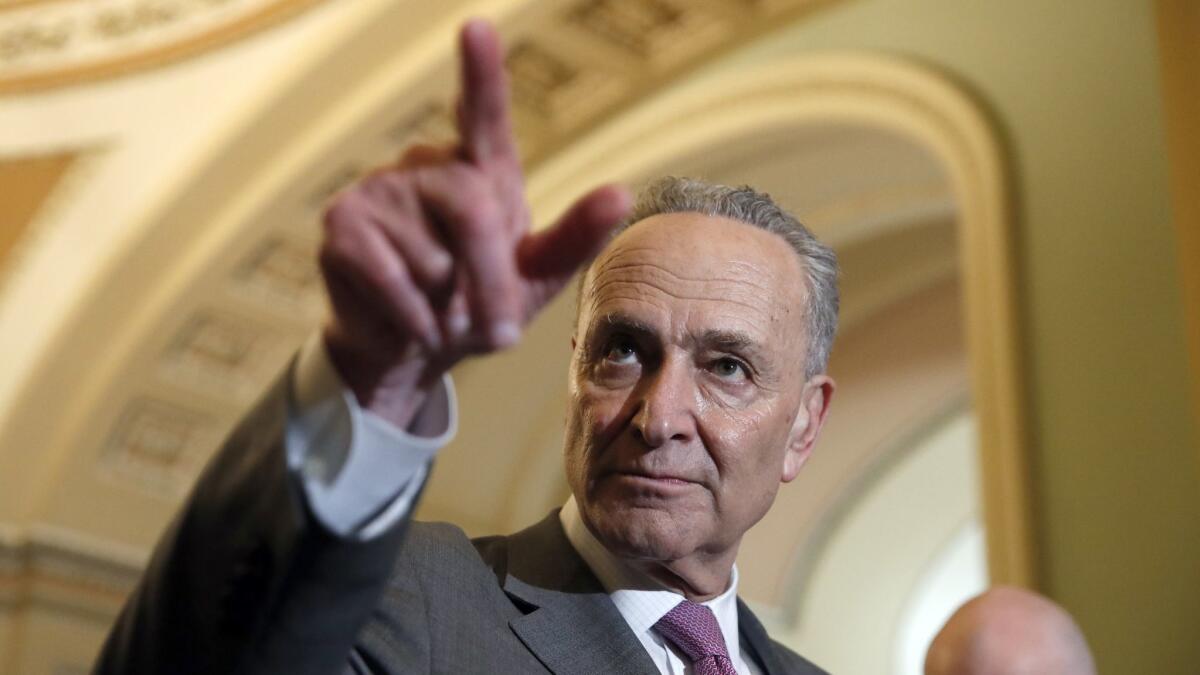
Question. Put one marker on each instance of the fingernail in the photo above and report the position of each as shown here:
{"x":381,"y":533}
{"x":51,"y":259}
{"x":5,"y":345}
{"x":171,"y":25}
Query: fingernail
{"x":434,"y":341}
{"x":431,"y":340}
{"x":476,"y":25}
{"x":505,"y":334}
{"x":459,"y":323}
{"x":441,"y":262}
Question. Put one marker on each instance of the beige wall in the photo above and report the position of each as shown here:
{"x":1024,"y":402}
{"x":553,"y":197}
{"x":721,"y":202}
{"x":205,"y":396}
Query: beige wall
{"x":1179,"y":48}
{"x":1074,"y":88}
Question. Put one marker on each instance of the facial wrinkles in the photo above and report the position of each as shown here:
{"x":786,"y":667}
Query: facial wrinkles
{"x":688,"y":357}
{"x":677,"y":289}
{"x":740,"y":296}
{"x":738,"y":282}
{"x":722,"y":427}
{"x":728,"y":435}
{"x":735,"y":297}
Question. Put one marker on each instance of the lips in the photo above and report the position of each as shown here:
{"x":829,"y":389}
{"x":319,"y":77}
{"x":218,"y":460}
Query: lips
{"x":654,"y":477}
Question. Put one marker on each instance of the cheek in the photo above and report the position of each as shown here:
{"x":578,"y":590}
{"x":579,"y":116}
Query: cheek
{"x":750,"y":462}
{"x":593,"y":421}
{"x":599,"y":412}
{"x":750,"y":444}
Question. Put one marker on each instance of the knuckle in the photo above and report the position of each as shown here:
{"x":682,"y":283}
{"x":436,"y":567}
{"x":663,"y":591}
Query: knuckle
{"x":422,"y":154}
{"x":397,"y":279}
{"x":420,"y":320}
{"x":372,"y":186}
{"x":341,"y":212}
{"x":389,"y":277}
{"x":438,"y":264}
{"x":340,"y":243}
{"x":393,"y":181}
{"x":478,"y":217}
{"x":384,"y":183}
{"x":457,"y":173}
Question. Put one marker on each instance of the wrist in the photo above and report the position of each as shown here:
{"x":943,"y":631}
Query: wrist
{"x":392,"y":383}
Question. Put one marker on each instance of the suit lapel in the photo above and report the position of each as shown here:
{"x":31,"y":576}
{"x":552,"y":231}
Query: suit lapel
{"x":569,"y":622}
{"x":757,"y":641}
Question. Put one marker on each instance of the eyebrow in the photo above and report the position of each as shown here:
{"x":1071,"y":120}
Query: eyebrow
{"x":725,"y":340}
{"x":624,"y":322}
{"x":729,"y":340}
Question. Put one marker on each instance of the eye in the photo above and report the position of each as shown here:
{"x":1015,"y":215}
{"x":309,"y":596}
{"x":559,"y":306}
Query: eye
{"x":729,"y":369}
{"x":621,"y":350}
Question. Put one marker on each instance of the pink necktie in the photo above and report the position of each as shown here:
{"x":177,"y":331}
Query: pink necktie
{"x":694,"y":630}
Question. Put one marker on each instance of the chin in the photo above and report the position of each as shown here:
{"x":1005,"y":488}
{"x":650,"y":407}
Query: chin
{"x":640,"y":533}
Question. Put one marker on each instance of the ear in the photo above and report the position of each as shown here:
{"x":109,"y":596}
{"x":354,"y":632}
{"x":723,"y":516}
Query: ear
{"x":814,"y":405}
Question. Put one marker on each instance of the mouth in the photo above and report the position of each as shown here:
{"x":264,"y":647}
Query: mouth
{"x":659,"y":480}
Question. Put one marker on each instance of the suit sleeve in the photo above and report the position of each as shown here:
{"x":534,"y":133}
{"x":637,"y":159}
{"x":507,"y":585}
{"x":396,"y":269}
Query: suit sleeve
{"x":247,"y":579}
{"x":359,"y":473}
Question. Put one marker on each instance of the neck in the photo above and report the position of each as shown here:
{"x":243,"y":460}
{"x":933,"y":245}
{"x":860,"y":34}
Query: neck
{"x":698,"y":580}
{"x":699,"y":577}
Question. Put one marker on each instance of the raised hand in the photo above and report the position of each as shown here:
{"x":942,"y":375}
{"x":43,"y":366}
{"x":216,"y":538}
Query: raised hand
{"x":432,"y":260}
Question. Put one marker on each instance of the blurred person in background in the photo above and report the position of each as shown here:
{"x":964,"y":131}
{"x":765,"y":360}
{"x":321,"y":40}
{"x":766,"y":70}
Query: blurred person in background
{"x":1009,"y":631}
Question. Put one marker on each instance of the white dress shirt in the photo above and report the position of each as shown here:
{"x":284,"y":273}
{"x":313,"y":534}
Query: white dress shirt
{"x":361,"y":475}
{"x":359,"y":472}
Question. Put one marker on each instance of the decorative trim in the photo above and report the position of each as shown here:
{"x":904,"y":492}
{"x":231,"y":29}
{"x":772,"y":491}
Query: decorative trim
{"x":85,"y":162}
{"x":65,"y":570}
{"x":572,"y":153}
{"x":56,"y":34}
{"x":159,"y":445}
{"x":331,"y":146}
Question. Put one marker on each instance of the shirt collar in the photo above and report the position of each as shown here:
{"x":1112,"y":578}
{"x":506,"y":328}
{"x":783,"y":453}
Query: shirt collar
{"x":640,"y":599}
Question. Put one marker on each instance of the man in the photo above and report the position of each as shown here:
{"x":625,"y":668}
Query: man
{"x":1009,"y":631}
{"x":696,"y":387}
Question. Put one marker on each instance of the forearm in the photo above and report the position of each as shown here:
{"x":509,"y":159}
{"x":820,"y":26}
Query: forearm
{"x":285,"y":544}
{"x":359,"y":472}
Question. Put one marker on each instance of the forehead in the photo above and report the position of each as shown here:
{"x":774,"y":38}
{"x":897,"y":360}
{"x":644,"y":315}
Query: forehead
{"x":675,"y":264}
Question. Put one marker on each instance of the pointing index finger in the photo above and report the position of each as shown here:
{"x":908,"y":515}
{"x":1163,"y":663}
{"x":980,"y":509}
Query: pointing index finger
{"x":484,"y":121}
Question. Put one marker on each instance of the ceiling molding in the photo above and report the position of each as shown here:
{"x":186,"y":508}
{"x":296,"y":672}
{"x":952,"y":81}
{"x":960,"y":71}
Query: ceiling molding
{"x":55,"y":43}
{"x":34,"y":186}
{"x":64,"y":569}
{"x":26,"y":183}
{"x":51,"y":579}
{"x":231,"y":253}
{"x":237,"y":241}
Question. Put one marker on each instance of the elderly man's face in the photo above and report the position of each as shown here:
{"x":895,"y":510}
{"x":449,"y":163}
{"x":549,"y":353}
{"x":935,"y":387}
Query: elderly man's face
{"x":688,"y":403}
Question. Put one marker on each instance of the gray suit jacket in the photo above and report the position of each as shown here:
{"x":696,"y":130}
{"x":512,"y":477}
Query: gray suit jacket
{"x":246,"y":581}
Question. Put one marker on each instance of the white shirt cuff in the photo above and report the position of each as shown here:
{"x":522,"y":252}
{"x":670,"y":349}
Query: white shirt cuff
{"x":360,"y":474}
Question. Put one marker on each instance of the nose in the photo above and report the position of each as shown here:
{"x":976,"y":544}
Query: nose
{"x":666,"y":405}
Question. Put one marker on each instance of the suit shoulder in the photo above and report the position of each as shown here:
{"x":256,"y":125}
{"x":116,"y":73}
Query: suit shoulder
{"x":437,"y":531}
{"x":426,"y":539}
{"x":429,"y":547}
{"x":785,"y":660}
{"x":436,"y":549}
{"x":794,"y":663}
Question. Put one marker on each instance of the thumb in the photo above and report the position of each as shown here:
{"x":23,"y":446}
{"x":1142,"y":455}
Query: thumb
{"x":554,"y":254}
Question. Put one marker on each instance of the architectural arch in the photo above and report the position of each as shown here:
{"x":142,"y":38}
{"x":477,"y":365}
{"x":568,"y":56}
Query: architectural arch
{"x":908,"y":100}
{"x":203,"y":299}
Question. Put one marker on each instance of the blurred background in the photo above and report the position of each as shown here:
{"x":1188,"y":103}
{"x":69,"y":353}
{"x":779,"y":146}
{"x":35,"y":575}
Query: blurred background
{"x":1012,"y":189}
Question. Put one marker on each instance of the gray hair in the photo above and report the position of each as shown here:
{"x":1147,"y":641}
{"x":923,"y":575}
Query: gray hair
{"x":744,"y":204}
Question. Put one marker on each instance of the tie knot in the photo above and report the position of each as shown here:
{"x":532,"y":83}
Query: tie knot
{"x":694,"y":629}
